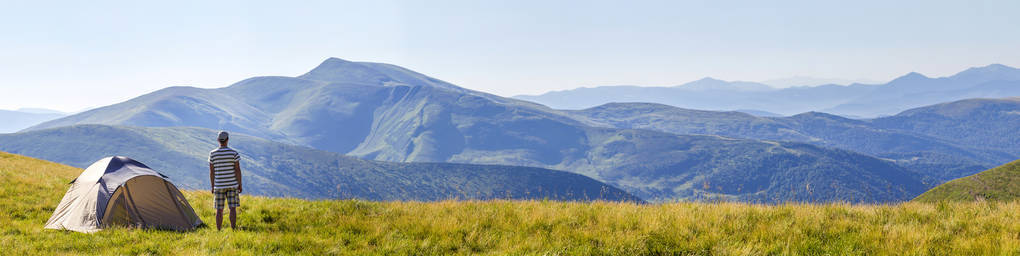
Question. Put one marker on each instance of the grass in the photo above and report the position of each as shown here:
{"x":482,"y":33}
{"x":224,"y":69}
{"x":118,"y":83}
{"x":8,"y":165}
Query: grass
{"x":997,"y":184}
{"x":31,"y":188}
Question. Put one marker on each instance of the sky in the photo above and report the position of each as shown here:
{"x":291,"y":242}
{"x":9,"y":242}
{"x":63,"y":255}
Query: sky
{"x":74,"y":55}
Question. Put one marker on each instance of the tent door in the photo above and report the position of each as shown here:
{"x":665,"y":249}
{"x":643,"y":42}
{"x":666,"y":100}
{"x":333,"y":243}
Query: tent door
{"x":119,"y":210}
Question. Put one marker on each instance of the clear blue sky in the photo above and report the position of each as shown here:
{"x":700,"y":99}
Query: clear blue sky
{"x":72,"y":55}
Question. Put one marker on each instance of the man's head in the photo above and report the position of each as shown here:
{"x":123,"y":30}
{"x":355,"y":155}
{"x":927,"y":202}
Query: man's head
{"x":223,"y":137}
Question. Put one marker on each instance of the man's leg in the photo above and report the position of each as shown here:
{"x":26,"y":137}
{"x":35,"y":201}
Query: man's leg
{"x":219,"y":217}
{"x":233,"y":218}
{"x":233,"y":202}
{"x":218,"y":198}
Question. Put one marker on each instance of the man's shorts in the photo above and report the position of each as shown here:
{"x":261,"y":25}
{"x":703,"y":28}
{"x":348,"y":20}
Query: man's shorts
{"x":228,"y":194}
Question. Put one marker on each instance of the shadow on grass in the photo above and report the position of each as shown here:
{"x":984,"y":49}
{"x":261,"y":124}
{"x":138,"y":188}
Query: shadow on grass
{"x":226,"y":226}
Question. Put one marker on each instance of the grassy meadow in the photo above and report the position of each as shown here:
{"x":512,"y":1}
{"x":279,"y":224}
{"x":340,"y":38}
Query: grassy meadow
{"x":996,"y":184}
{"x":31,"y":189}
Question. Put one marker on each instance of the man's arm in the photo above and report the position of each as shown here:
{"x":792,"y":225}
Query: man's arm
{"x":237,"y":175}
{"x":212,"y":178}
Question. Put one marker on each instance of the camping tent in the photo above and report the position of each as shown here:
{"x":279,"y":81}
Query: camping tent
{"x":121,"y":191}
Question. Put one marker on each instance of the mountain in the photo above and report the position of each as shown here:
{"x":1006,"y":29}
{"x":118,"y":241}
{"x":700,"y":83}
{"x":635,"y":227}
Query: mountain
{"x":15,"y":120}
{"x":856,"y":100}
{"x":342,"y":71}
{"x":664,"y":167}
{"x":700,"y":93}
{"x":758,"y":113}
{"x":277,"y":169}
{"x":915,"y":90}
{"x":40,"y":111}
{"x":665,"y":118}
{"x":722,"y":96}
{"x":998,"y":184}
{"x":812,"y":81}
{"x":712,"y":84}
{"x":920,"y":142}
{"x":992,"y":123}
{"x":386,"y":113}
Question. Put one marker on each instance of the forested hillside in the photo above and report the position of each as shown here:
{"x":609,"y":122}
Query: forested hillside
{"x":944,"y":141}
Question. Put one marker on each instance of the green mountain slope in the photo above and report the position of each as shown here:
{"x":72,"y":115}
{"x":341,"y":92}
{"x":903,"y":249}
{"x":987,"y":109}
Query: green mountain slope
{"x":665,"y":118}
{"x":662,"y":166}
{"x":997,"y":184}
{"x":989,"y":123}
{"x":278,"y":169}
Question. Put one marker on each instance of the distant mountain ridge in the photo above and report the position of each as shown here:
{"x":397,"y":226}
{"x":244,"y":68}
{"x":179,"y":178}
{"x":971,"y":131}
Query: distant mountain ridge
{"x":383,"y":112}
{"x":800,"y":81}
{"x":712,"y":84}
{"x":40,"y":111}
{"x":15,"y":120}
{"x":858,"y":100}
{"x":916,"y":90}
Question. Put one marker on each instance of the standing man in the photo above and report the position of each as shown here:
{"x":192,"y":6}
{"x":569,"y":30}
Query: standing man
{"x":225,"y":177}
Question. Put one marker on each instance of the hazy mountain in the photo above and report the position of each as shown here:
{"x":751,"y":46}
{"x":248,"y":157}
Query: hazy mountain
{"x":915,"y":90}
{"x":383,"y":112}
{"x":712,"y":84}
{"x":40,"y":111}
{"x":998,"y":184}
{"x":15,"y":120}
{"x":909,"y":91}
{"x":812,"y":81}
{"x":277,"y":169}
{"x":786,"y":101}
{"x":758,"y":113}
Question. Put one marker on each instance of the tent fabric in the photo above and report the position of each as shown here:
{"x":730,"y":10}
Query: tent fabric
{"x":121,"y":191}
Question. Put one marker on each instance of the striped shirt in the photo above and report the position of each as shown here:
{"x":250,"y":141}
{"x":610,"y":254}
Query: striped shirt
{"x":223,"y":159}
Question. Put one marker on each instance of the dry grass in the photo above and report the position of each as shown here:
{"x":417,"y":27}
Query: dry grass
{"x":31,"y":189}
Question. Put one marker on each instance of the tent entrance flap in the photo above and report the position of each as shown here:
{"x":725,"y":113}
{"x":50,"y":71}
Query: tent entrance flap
{"x":156,"y":205}
{"x":117,"y":213}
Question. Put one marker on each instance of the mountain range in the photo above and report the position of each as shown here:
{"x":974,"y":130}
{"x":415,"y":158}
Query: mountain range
{"x":277,"y":169}
{"x":384,"y":112}
{"x":795,"y":81}
{"x":944,"y":141}
{"x":16,"y":120}
{"x":855,"y":100}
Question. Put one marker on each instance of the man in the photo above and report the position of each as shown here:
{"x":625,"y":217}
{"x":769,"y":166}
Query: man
{"x":225,"y":177}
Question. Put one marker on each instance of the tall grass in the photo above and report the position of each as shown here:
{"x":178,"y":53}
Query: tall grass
{"x":275,"y":225}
